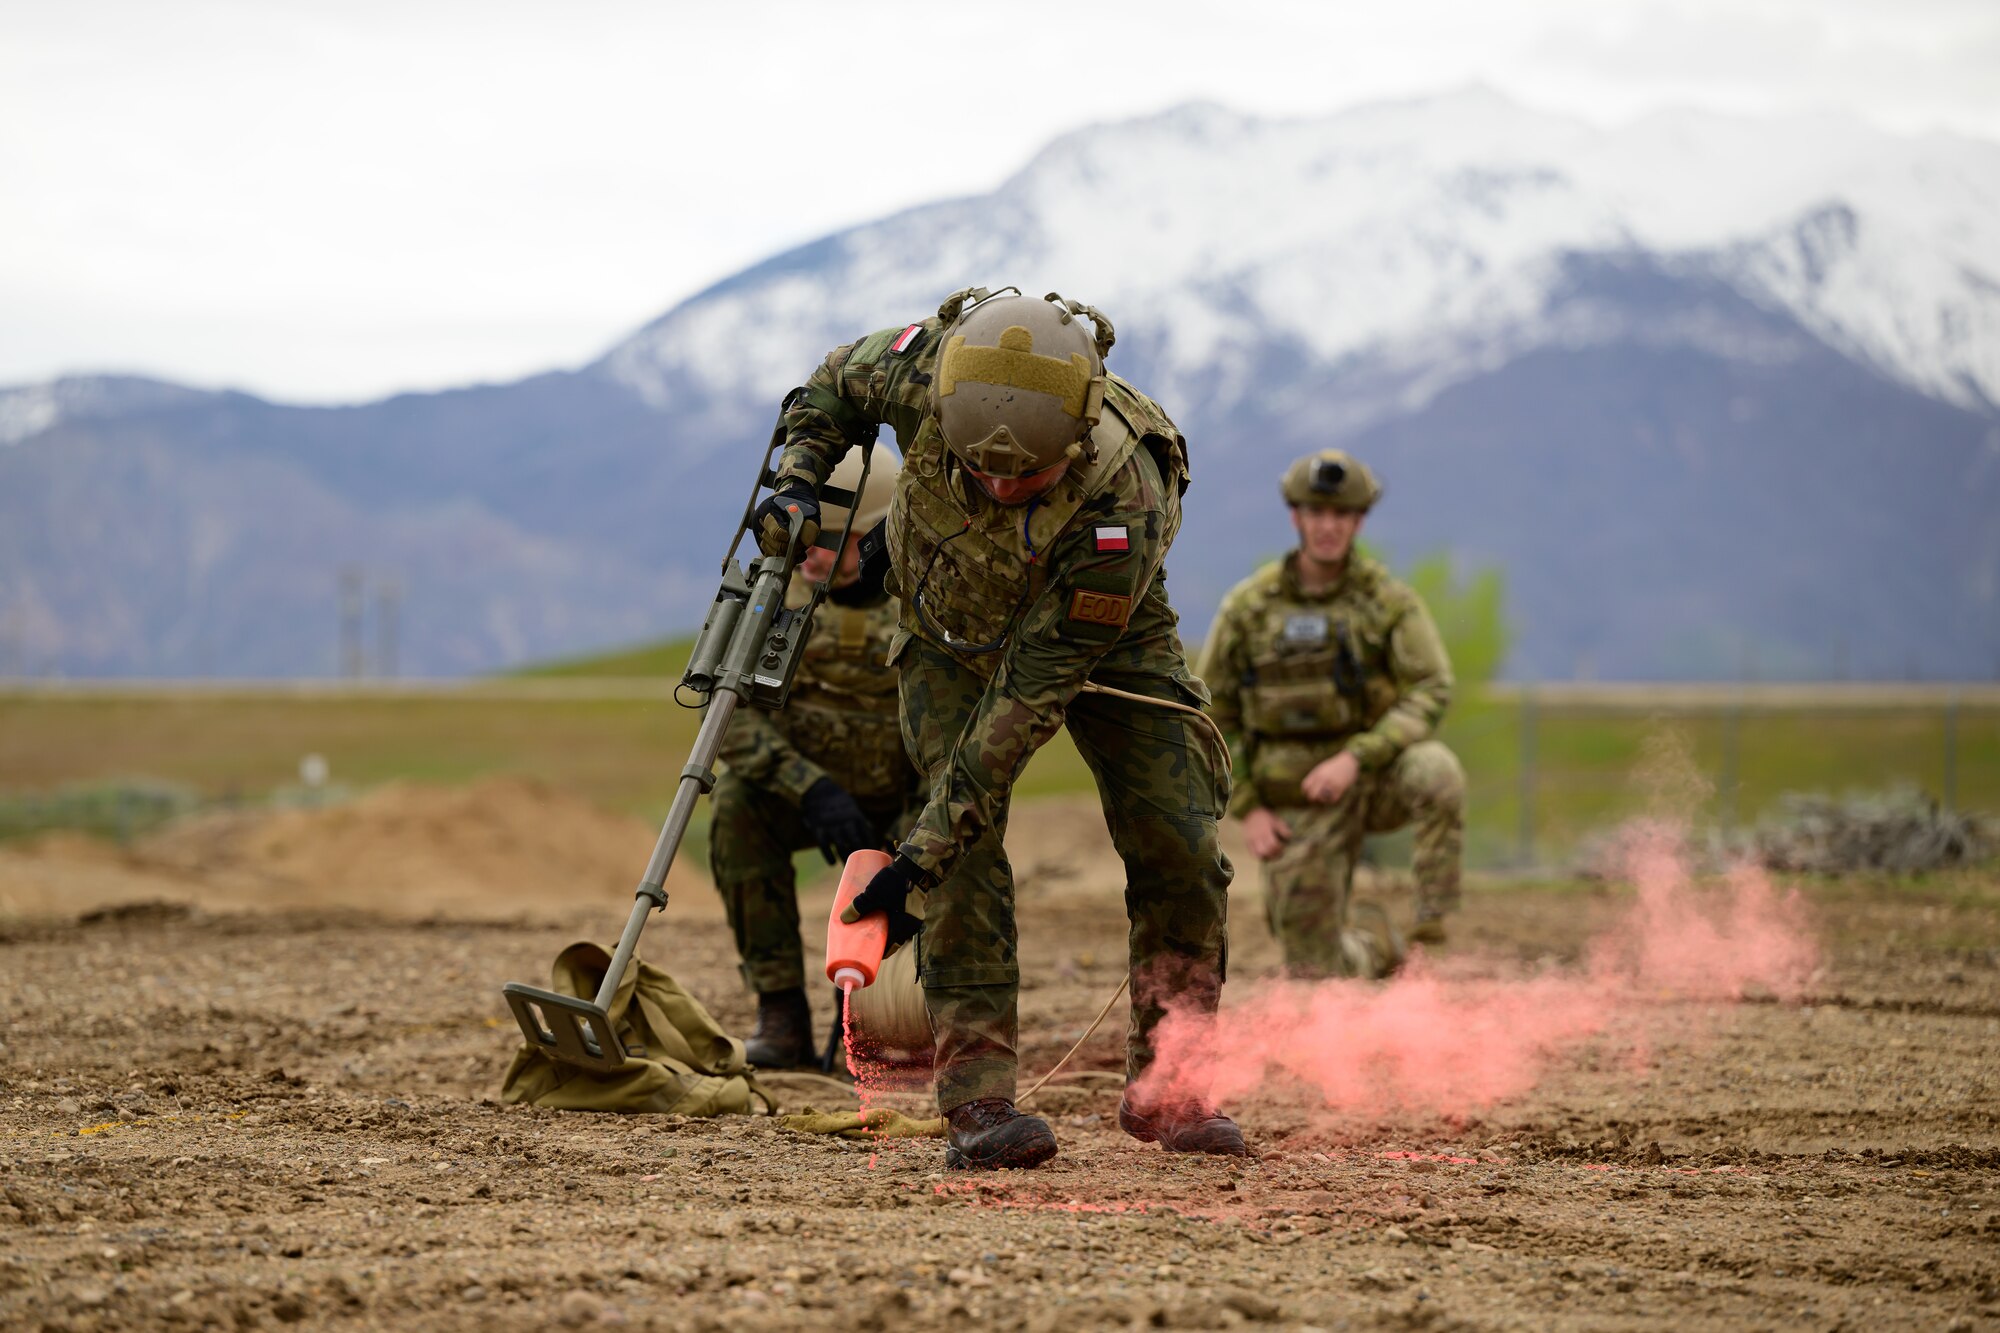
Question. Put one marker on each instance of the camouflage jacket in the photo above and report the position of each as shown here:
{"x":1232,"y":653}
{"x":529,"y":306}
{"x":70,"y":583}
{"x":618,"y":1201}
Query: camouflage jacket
{"x":1297,"y":677}
{"x":841,"y":721}
{"x":1031,"y":597}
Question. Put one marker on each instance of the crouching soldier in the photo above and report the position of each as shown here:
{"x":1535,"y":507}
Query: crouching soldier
{"x":1329,"y":677}
{"x":828,"y":771}
{"x":1027,"y":537}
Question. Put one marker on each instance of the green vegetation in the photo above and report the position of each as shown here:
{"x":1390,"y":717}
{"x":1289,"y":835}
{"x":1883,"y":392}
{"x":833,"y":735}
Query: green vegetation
{"x":1542,"y":777}
{"x":117,"y":810}
{"x":1470,"y":614}
{"x":626,"y":752}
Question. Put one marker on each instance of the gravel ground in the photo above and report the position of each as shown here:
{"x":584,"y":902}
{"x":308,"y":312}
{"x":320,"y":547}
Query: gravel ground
{"x":231,"y":1119}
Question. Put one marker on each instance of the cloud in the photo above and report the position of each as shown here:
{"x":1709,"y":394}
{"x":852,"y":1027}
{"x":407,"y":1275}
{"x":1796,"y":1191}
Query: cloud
{"x":232,"y":192}
{"x":1916,"y":66}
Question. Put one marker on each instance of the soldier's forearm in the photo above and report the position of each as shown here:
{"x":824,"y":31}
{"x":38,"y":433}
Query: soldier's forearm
{"x":794,"y":776}
{"x":1413,"y":719}
{"x":819,"y":424}
{"x":759,"y":753}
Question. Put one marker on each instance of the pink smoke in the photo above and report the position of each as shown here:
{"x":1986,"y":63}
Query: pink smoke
{"x":1679,"y":942}
{"x":1428,"y":1043}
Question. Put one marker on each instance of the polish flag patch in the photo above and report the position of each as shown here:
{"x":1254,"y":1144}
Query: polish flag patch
{"x":1113,"y":539}
{"x":907,"y":339}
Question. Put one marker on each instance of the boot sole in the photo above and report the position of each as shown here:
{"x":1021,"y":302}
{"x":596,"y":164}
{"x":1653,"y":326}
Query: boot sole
{"x":1014,"y":1157}
{"x":1145,"y":1133}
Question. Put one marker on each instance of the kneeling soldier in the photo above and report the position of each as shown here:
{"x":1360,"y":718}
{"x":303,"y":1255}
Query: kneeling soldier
{"x":828,"y":771}
{"x":1329,"y":677}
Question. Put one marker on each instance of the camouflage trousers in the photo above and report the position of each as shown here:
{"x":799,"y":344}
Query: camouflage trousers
{"x":752,"y":834}
{"x":1307,"y":886}
{"x":1163,"y":784}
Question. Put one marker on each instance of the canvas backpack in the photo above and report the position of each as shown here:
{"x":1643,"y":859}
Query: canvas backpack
{"x":678,"y":1060}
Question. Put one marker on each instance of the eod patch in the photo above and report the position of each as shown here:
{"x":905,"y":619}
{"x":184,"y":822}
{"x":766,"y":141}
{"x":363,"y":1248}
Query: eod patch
{"x":1099,"y":608}
{"x":1100,"y":605}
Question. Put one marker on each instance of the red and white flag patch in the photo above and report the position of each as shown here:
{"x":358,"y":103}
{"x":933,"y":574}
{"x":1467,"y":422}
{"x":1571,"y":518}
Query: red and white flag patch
{"x":1113,"y":539}
{"x":907,"y":339}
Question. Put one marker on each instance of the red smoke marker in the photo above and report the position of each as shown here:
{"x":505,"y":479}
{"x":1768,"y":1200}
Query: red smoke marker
{"x":854,"y":951}
{"x":1440,"y":1046}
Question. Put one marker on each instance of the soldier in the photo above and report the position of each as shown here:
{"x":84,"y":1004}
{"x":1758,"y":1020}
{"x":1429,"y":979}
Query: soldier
{"x":1037,"y":501}
{"x":1329,"y":678}
{"x":829,"y":771}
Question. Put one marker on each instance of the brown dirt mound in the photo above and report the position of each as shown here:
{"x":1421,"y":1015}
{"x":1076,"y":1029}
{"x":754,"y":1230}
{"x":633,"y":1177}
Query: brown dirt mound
{"x":499,"y":848}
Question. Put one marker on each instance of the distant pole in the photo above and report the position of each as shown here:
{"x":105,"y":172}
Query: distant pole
{"x":388,"y":627}
{"x":1527,"y":777}
{"x":1951,"y":752}
{"x":1732,"y":763}
{"x":350,"y":622}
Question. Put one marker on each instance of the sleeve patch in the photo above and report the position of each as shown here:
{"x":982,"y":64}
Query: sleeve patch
{"x":907,"y":340}
{"x":1088,"y":607}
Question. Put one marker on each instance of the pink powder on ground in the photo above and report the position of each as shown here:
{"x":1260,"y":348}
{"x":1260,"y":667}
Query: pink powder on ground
{"x":1427,"y":1043}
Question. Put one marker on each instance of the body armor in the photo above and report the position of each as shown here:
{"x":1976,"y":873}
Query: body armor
{"x":842,"y":713}
{"x":1317,"y":672}
{"x":976,"y":564}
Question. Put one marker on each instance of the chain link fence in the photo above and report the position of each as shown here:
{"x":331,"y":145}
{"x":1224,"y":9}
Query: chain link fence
{"x":1550,"y":766}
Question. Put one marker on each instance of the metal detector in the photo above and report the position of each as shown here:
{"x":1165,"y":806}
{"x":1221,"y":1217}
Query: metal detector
{"x":748,"y":651}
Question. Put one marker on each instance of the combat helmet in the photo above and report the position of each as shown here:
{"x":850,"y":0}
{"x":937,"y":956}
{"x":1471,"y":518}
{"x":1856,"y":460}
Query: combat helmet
{"x":1020,"y":382}
{"x":1331,"y":477}
{"x":882,"y":474}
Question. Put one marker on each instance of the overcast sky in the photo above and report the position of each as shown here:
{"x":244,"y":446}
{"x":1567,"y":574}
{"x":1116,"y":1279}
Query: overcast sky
{"x":332,"y":201}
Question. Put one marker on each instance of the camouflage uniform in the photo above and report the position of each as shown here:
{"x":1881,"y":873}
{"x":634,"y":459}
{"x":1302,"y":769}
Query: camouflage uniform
{"x":1007,"y":612}
{"x":840,"y":723}
{"x":1299,"y":677}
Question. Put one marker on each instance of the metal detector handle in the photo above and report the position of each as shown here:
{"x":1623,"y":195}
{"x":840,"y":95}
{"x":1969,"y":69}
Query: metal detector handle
{"x":767,"y":476}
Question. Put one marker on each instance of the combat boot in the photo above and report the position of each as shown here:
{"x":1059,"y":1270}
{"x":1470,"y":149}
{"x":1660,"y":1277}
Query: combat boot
{"x":990,"y":1133}
{"x":1183,"y":1127}
{"x":783,"y":1039}
{"x":1429,"y":928}
{"x":1373,"y":947}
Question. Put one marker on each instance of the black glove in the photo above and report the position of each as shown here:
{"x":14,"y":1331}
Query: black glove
{"x":887,"y":892}
{"x":772,"y":523}
{"x":835,"y":821}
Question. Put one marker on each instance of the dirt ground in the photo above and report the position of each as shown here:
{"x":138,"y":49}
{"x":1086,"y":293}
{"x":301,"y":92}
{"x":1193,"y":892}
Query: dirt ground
{"x":222,"y":1107}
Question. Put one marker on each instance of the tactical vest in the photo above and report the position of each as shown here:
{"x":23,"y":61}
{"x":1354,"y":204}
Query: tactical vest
{"x":975,"y":564}
{"x":1318,"y":667}
{"x":843,"y":714}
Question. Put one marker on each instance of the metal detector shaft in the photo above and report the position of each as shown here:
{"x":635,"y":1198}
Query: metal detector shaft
{"x":696,"y":778}
{"x":747,"y":651}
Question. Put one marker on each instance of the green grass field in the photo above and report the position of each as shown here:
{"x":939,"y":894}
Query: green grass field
{"x":1583,"y":766}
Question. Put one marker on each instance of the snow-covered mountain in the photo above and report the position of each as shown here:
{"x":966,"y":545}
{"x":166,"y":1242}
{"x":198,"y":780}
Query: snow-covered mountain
{"x":33,"y":409}
{"x":1709,"y":391}
{"x":1422,"y":236}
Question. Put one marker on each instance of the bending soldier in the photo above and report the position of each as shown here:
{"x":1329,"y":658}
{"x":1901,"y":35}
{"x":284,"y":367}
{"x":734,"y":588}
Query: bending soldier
{"x":1329,"y":678}
{"x":1035,"y":508}
{"x":828,"y":771}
